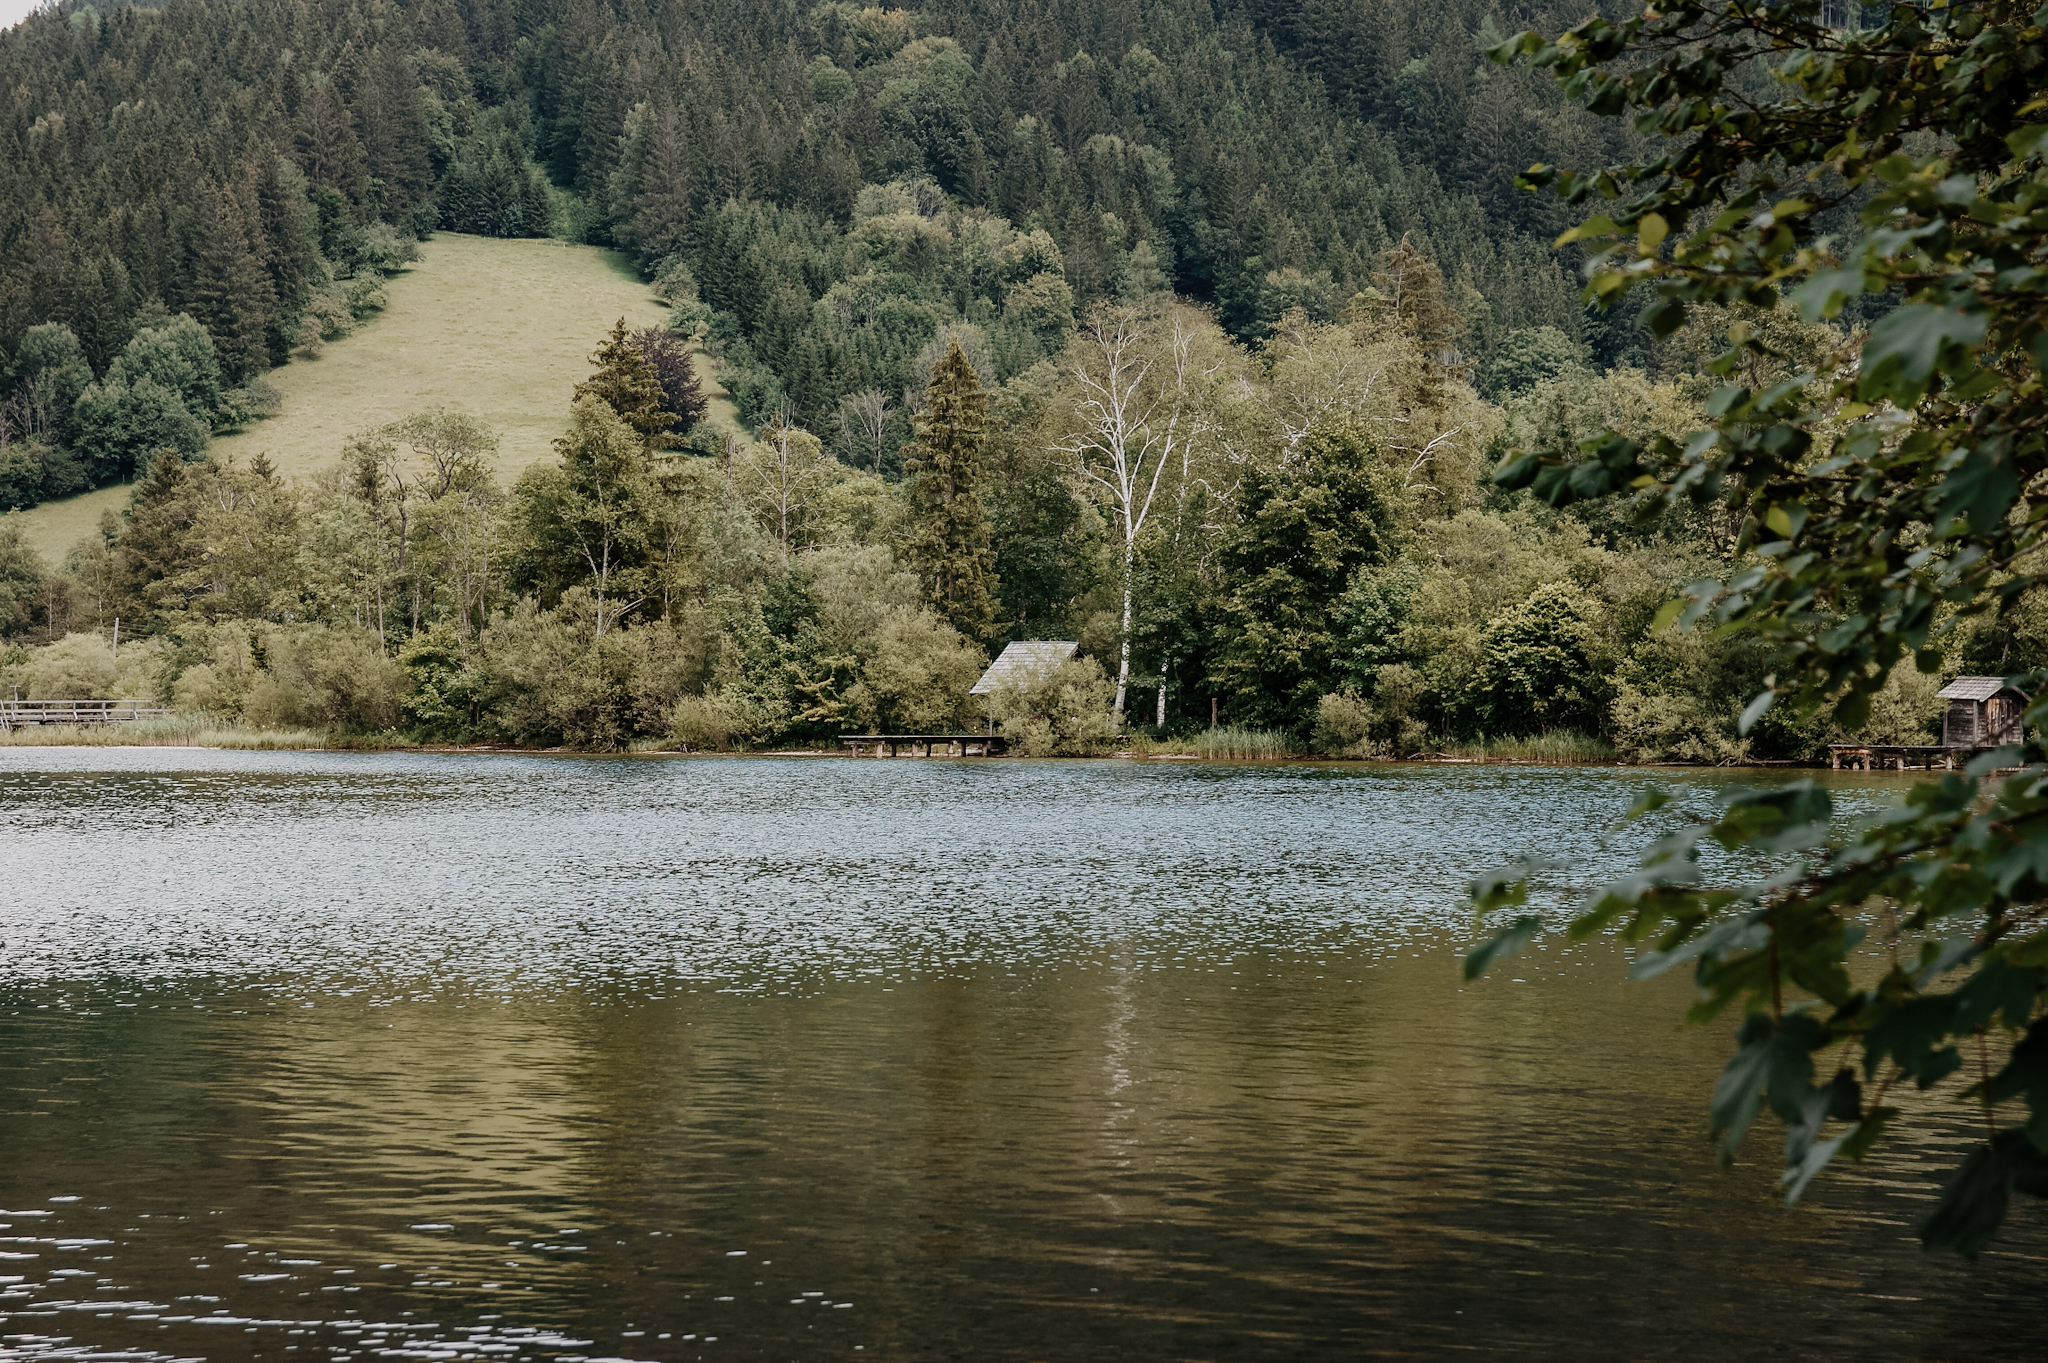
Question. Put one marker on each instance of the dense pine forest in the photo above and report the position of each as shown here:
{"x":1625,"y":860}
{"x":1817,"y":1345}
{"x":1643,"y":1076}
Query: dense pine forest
{"x":1185,"y":331}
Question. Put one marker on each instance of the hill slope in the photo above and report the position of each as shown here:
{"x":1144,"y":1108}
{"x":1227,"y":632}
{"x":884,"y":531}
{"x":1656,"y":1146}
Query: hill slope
{"x":499,"y":329}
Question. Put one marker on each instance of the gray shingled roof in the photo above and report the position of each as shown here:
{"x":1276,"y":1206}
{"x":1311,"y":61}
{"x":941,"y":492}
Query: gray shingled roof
{"x":1021,"y":662}
{"x":1972,"y":688}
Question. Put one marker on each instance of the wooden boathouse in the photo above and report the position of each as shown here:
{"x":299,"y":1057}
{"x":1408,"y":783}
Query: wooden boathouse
{"x":1983,"y":713}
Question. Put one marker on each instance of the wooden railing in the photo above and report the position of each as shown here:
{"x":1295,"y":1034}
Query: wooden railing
{"x":21,"y":714}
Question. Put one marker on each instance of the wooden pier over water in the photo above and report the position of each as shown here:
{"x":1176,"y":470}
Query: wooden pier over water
{"x":956,"y":745}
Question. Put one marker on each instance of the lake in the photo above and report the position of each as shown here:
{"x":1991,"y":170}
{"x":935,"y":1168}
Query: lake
{"x":439,"y":1056}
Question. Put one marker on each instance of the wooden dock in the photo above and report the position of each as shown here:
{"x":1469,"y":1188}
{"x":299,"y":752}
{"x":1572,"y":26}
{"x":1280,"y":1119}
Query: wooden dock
{"x":23,"y":714}
{"x":956,"y":745}
{"x":1900,"y":757}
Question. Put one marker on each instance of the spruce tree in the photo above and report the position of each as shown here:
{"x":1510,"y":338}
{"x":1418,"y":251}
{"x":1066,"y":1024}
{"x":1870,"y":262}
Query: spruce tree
{"x":153,"y":549}
{"x":631,"y":387}
{"x":396,"y":142}
{"x":325,"y":144}
{"x":1411,"y":287}
{"x":661,"y":211}
{"x":948,"y":540}
{"x":230,"y":293}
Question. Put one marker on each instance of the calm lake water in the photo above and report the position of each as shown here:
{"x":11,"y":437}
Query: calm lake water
{"x":532,"y":1057}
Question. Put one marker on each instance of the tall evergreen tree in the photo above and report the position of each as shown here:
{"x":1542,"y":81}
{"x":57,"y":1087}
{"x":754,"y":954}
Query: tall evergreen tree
{"x":948,"y":539}
{"x":1411,"y":287}
{"x":286,"y":241}
{"x":325,"y":144}
{"x":661,"y":211}
{"x":396,"y":144}
{"x":155,"y":548}
{"x":230,"y":294}
{"x":1307,"y":525}
{"x":631,"y":387}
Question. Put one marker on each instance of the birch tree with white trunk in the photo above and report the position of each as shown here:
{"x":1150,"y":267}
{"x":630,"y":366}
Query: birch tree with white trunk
{"x":1134,"y":386}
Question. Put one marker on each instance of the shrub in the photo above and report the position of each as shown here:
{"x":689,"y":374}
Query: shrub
{"x":547,"y":677}
{"x":33,"y":471}
{"x":1062,"y":710}
{"x":1343,"y":724}
{"x":1673,"y":727}
{"x":442,"y":698}
{"x":85,"y":667}
{"x":916,"y":680}
{"x":1542,"y":668}
{"x":288,"y":676}
{"x":179,"y":355}
{"x":385,"y":249}
{"x":710,"y":723}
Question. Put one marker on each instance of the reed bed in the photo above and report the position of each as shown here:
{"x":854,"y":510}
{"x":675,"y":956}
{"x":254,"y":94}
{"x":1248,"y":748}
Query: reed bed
{"x":1227,"y":744}
{"x":1564,"y":746}
{"x":169,"y":731}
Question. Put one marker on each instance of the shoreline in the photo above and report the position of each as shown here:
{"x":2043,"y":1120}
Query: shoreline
{"x":272,"y":741}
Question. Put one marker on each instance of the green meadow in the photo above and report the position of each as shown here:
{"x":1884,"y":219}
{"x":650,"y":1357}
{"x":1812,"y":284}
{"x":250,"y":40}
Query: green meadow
{"x":500,"y":329}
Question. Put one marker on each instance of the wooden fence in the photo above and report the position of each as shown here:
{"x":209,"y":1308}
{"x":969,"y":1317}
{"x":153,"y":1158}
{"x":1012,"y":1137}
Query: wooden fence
{"x":22,"y":714}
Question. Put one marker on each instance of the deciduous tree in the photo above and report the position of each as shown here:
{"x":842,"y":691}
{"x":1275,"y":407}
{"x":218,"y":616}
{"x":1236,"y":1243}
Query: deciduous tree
{"x":1890,"y":500}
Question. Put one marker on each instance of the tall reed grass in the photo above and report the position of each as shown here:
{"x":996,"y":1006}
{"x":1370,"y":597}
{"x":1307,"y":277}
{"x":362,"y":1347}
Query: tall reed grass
{"x":168,"y":731}
{"x":1229,"y":744}
{"x":1565,"y":745}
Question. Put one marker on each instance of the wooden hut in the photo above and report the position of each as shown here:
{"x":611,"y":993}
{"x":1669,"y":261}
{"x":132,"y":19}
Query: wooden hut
{"x":1983,"y":712}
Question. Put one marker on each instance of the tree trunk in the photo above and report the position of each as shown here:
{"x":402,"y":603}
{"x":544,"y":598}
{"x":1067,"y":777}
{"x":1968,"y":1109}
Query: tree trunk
{"x":1123,"y":667}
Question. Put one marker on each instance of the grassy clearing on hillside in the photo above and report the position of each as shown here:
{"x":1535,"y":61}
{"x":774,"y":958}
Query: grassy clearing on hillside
{"x":502,"y":330}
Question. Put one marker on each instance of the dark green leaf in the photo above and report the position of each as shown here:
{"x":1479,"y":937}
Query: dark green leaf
{"x":1980,"y":488}
{"x":2026,"y":1075}
{"x":1508,"y":942}
{"x":1775,"y":1061}
{"x":1910,"y":1034}
{"x":1909,"y":344}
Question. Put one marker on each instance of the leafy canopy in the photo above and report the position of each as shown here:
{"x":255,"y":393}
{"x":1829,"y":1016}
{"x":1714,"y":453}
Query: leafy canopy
{"x":1888,"y":497}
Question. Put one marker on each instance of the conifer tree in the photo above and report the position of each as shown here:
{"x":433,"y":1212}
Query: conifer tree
{"x":153,"y":547}
{"x":230,"y":293}
{"x":284,"y":233}
{"x":948,"y":539}
{"x":396,"y":143}
{"x":668,"y":354}
{"x":1411,"y":287}
{"x":661,"y":211}
{"x":631,"y":387}
{"x":325,"y":144}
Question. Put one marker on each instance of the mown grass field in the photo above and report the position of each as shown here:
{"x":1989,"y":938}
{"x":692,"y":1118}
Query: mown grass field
{"x":502,"y":330}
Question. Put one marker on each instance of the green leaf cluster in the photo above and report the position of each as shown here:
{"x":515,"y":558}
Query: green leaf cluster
{"x":1890,"y":497}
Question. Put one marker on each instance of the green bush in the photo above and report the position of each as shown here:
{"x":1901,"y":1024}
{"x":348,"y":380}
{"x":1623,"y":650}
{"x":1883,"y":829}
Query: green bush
{"x":85,"y":667}
{"x":117,"y":426}
{"x":549,"y":677}
{"x":1542,"y":668}
{"x":292,"y":676}
{"x":1343,"y":724}
{"x":1063,"y":710}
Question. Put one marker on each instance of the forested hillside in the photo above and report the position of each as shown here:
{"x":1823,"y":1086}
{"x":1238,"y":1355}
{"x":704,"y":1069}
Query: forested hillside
{"x":1184,"y":331}
{"x":258,"y":165}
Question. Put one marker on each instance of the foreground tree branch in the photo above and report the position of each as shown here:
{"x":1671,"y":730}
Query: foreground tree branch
{"x":1884,"y":501}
